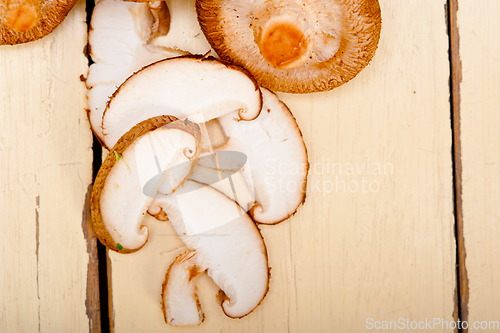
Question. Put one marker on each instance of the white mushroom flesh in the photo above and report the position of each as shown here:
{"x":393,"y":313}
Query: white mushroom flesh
{"x":183,"y":87}
{"x":226,"y":172}
{"x":277,"y":157}
{"x":226,"y":241}
{"x":180,"y":302}
{"x":118,"y":46}
{"x":185,"y":33}
{"x":123,"y":199}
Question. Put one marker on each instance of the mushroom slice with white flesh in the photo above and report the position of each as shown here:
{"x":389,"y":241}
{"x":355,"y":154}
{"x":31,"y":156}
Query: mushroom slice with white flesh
{"x":194,"y":87}
{"x":154,"y":20}
{"x":141,"y":164}
{"x":23,"y":21}
{"x":276,"y":167}
{"x":119,"y":44}
{"x":180,"y":303}
{"x":294,"y":46}
{"x":229,"y":172}
{"x":185,"y":33}
{"x":225,"y":242}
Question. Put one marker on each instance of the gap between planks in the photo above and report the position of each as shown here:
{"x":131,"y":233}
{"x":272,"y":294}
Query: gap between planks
{"x":461,"y":310}
{"x":98,"y":276}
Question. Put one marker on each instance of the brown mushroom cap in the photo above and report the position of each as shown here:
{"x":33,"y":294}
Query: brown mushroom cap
{"x":23,"y":21}
{"x":294,"y":46}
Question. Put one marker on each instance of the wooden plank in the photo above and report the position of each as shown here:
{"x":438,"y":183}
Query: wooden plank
{"x":479,"y":31}
{"x":385,"y":252}
{"x":46,"y":164}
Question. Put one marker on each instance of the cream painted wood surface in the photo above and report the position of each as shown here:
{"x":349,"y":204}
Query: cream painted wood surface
{"x":479,"y":30}
{"x":46,"y":169}
{"x":375,"y":236}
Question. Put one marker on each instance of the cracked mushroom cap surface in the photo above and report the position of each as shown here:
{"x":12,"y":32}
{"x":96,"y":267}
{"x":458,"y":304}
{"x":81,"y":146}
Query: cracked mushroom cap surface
{"x":141,"y":165}
{"x":226,"y":243}
{"x":29,"y":20}
{"x":296,"y":46}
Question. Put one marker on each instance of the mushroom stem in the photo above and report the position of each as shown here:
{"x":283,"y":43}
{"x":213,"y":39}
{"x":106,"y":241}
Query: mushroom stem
{"x":283,"y":35}
{"x":161,"y":16}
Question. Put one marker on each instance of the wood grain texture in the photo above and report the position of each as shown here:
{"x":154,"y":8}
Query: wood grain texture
{"x":375,"y":236}
{"x":46,"y":169}
{"x":479,"y":31}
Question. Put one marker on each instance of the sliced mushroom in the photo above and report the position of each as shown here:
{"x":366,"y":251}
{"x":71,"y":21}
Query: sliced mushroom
{"x":180,"y":303}
{"x":126,"y":36}
{"x":225,"y":242}
{"x":277,"y":166}
{"x":23,"y":21}
{"x":228,"y":172}
{"x":188,"y":86}
{"x":185,"y":33}
{"x":119,"y":37}
{"x":294,"y":46}
{"x":123,"y":189}
{"x":160,"y":15}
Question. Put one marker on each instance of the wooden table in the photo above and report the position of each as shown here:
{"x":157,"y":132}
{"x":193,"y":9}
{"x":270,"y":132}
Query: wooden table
{"x":401,"y":221}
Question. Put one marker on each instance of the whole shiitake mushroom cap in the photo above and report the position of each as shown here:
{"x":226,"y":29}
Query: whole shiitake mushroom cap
{"x":28,"y":20}
{"x":294,"y":46}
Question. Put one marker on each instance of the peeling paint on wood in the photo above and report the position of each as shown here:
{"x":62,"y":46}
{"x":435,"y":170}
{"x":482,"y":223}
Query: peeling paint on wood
{"x":92,"y":302}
